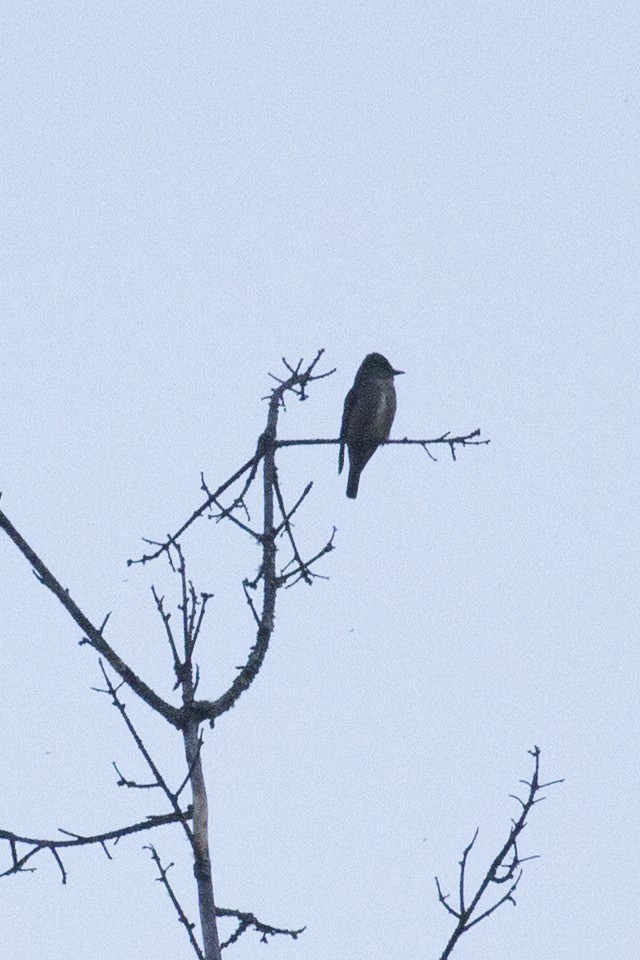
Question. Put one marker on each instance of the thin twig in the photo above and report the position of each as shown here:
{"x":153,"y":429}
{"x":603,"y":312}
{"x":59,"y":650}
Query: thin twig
{"x":286,"y":525}
{"x":165,"y":619}
{"x":117,"y":702}
{"x":182,"y":917}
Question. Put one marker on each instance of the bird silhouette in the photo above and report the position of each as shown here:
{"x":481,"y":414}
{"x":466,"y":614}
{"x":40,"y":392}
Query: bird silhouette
{"x":369,"y":409}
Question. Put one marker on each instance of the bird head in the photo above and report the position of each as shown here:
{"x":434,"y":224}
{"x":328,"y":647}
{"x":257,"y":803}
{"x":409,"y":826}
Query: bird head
{"x":375,"y":365}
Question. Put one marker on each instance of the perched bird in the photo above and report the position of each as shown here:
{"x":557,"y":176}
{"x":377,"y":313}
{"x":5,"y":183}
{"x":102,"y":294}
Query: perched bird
{"x":369,"y":409}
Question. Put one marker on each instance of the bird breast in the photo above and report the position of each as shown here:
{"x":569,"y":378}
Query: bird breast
{"x":384,"y":412}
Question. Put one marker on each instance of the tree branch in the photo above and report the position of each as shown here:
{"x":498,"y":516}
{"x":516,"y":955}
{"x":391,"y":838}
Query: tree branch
{"x":93,"y":636}
{"x":78,"y":840}
{"x":507,"y":860}
{"x":248,"y":921}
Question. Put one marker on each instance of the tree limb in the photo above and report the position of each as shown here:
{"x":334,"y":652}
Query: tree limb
{"x":93,"y":636}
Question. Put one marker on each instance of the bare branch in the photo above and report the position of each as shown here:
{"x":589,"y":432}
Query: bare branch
{"x":507,"y":860}
{"x":122,"y":710}
{"x":79,"y":840}
{"x":165,"y":619}
{"x":287,"y":514}
{"x":298,"y":571}
{"x":443,"y":897}
{"x":237,"y":504}
{"x":296,"y":383}
{"x":463,"y":864}
{"x":246,"y":586}
{"x":507,"y":898}
{"x":464,"y":440}
{"x":171,"y":539}
{"x":93,"y":636}
{"x":196,"y":759}
{"x":286,"y":525}
{"x":132,"y":784}
{"x":182,"y":917}
{"x":200,"y":835}
{"x":195,"y":630}
{"x":56,"y":857}
{"x":248,"y":921}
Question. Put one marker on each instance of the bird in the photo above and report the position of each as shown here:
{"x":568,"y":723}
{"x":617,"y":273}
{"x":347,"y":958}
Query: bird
{"x":369,"y":409}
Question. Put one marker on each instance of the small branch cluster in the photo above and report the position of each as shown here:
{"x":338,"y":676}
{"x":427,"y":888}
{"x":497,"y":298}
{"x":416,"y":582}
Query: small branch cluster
{"x":506,"y":867}
{"x":192,"y":608}
{"x":296,"y":383}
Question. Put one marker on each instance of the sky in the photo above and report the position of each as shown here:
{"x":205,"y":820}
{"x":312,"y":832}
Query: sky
{"x":191,"y":191}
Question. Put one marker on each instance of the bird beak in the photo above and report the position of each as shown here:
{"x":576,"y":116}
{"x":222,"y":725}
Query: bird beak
{"x":397,"y":373}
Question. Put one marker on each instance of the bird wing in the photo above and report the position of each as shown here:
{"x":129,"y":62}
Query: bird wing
{"x":346,"y":414}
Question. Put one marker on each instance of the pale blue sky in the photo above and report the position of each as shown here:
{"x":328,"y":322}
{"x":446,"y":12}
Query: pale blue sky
{"x":190,"y":191}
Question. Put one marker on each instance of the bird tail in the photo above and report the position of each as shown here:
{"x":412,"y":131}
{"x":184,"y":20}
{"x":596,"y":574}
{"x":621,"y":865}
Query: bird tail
{"x":352,"y":483}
